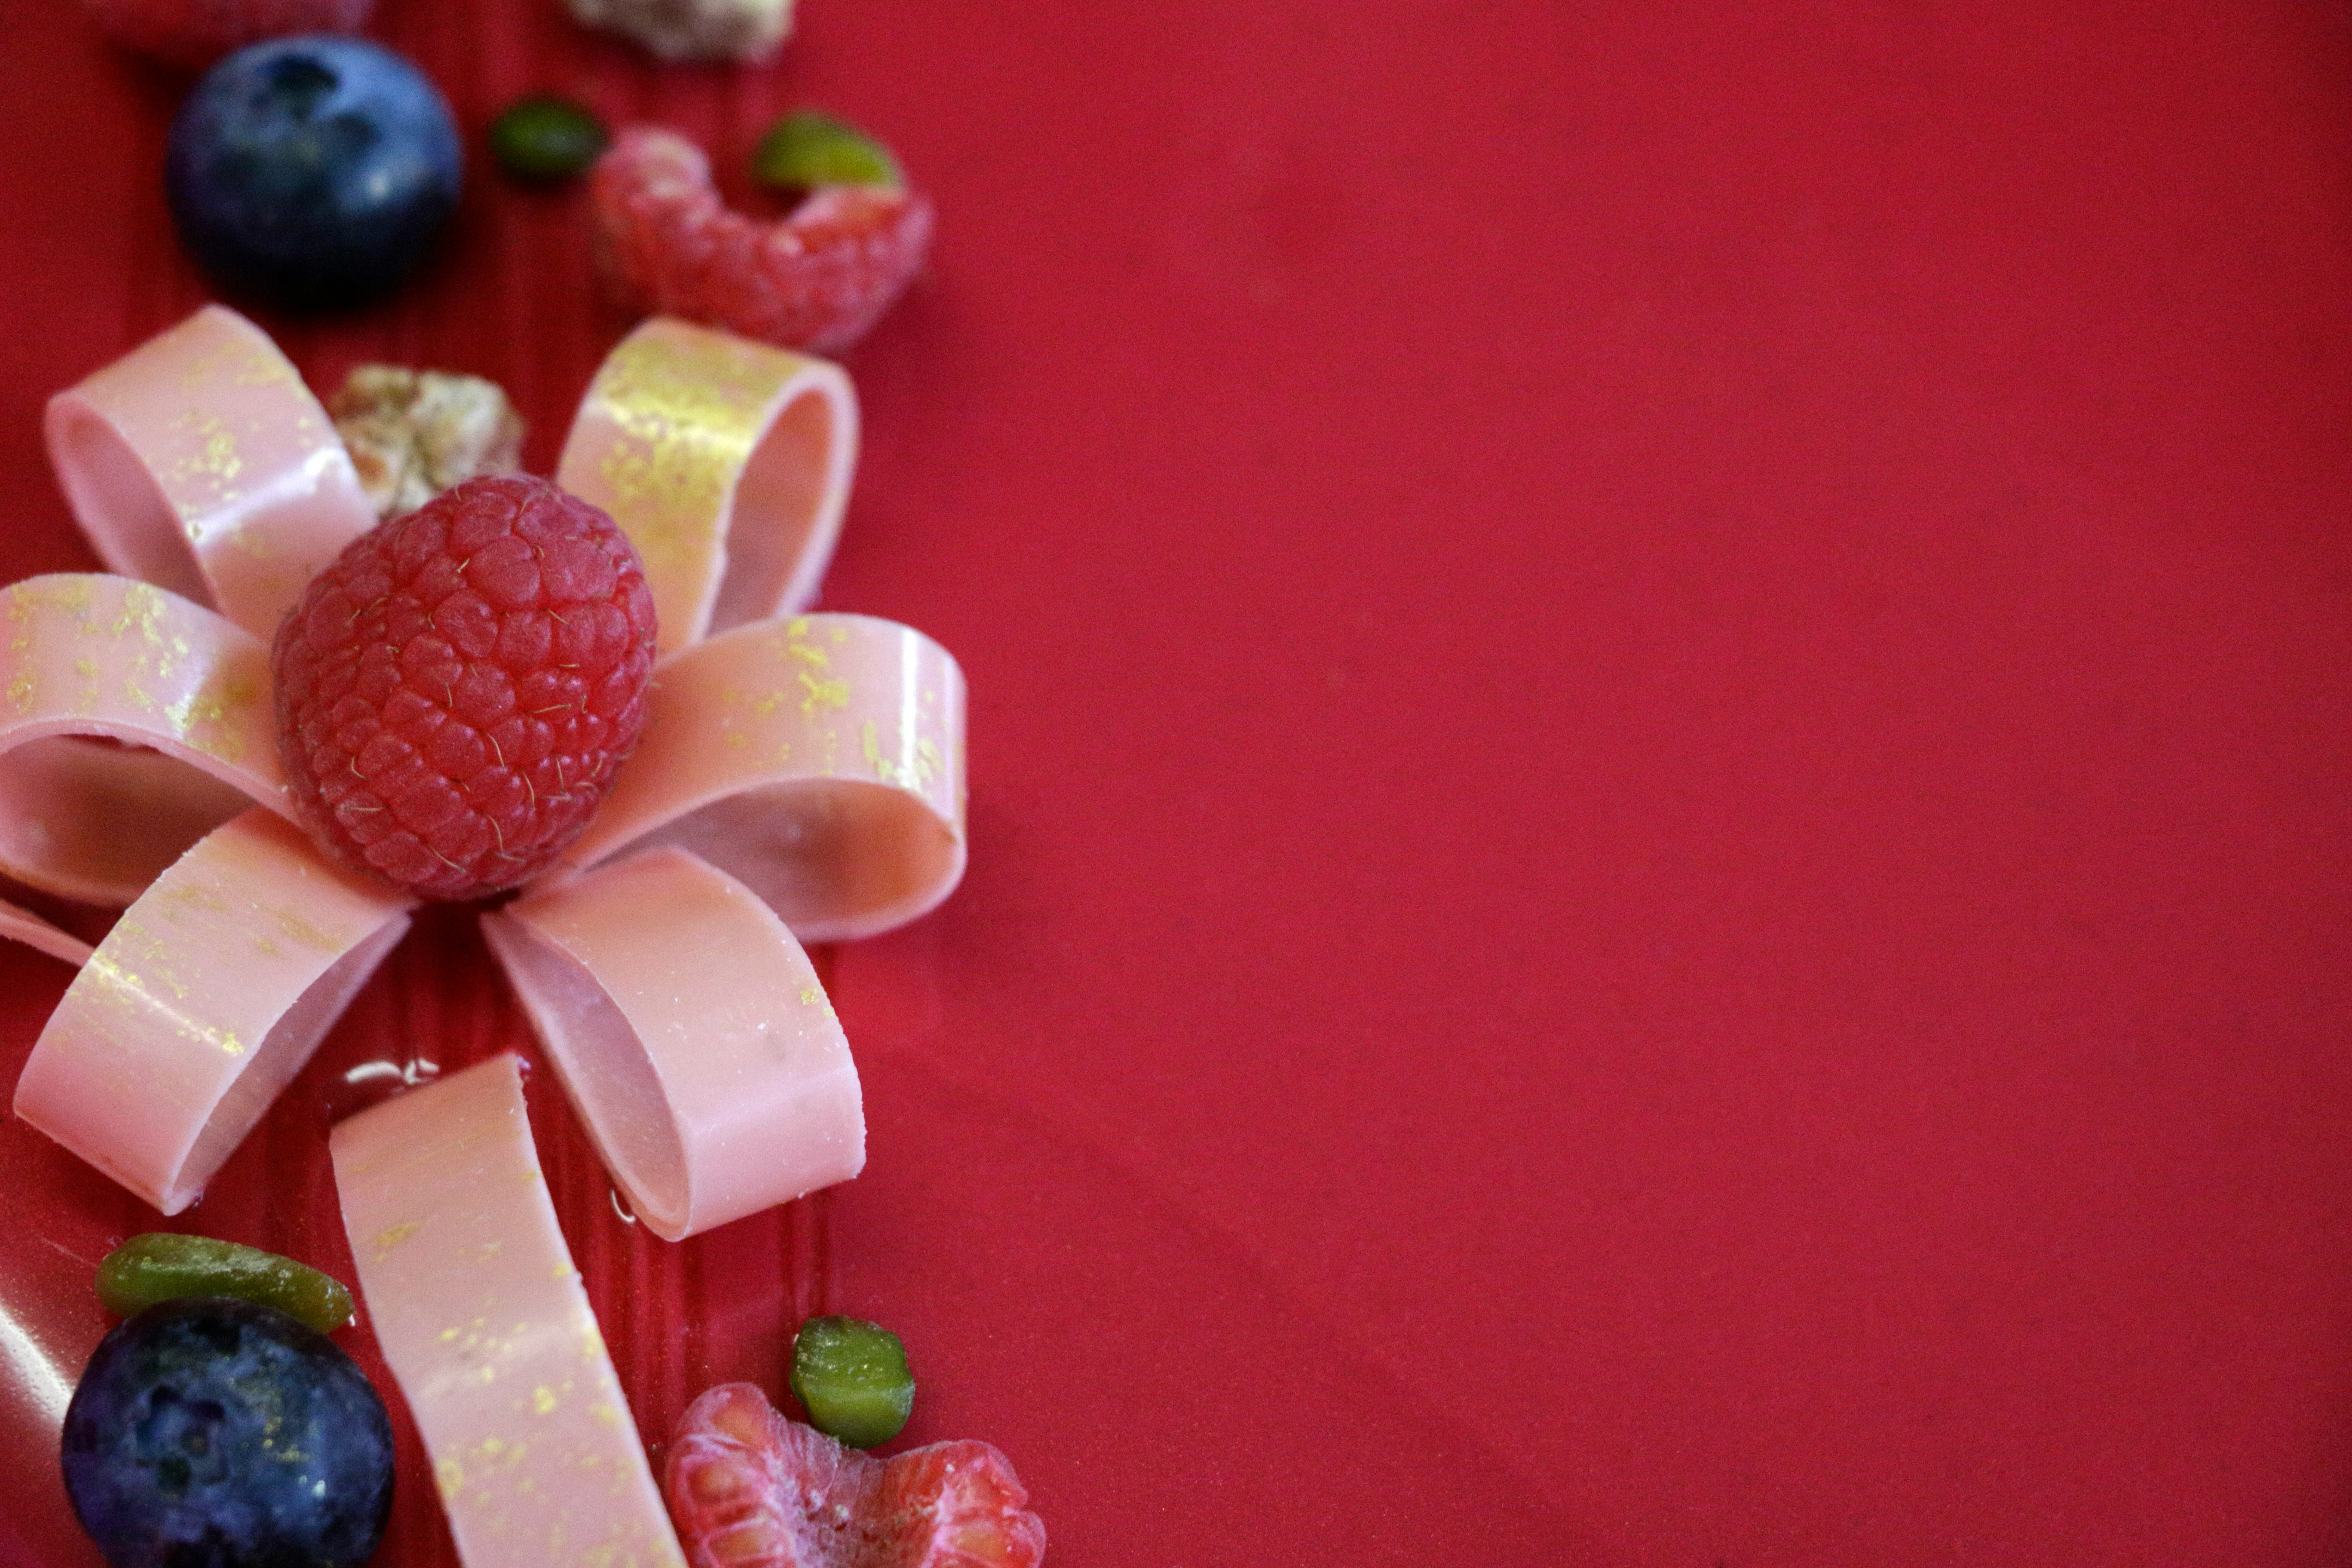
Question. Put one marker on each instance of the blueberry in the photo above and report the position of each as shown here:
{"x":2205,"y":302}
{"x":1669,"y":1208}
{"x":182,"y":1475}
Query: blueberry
{"x":210,"y":1433}
{"x":311,"y":173}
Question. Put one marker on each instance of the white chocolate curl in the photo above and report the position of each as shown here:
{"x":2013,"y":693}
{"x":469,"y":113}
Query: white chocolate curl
{"x":94,"y":670}
{"x":199,"y":462}
{"x":817,"y":759}
{"x":690,"y":1032}
{"x":201,"y":1004}
{"x":487,"y":1328}
{"x":726,"y":462}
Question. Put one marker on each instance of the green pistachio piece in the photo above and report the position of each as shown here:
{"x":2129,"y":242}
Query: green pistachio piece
{"x":545,"y":138}
{"x":852,"y":1376}
{"x":161,"y":1267}
{"x":812,"y":149}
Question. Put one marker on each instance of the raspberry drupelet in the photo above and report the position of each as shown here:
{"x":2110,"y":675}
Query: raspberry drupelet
{"x":455,"y":692}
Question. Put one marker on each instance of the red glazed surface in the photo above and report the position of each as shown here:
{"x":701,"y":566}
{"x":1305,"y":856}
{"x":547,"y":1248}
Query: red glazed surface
{"x":1660,"y":703}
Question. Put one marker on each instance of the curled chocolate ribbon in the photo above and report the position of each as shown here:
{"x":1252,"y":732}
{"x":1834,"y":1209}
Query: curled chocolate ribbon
{"x":132,"y":722}
{"x":706,"y":1105}
{"x":199,"y":462}
{"x":819,"y":758}
{"x":203,"y":1002}
{"x":802,"y":778}
{"x":727,"y":463}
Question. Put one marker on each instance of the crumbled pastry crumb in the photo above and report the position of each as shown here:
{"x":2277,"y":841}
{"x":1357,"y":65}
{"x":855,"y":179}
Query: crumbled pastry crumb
{"x":415,"y":433}
{"x":694,"y":30}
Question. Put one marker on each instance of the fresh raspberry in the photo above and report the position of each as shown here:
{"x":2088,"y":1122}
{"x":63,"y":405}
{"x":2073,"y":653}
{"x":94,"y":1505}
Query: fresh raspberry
{"x":815,"y":280}
{"x":748,"y":1488}
{"x":195,"y":33}
{"x":456,"y":691}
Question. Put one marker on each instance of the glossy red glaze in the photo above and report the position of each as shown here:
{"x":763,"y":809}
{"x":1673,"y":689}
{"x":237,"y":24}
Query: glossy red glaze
{"x":1661,"y":710}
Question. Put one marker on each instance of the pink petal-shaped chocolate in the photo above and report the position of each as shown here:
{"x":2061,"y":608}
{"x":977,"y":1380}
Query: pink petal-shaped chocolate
{"x":203,"y":1002}
{"x":483,"y":1319}
{"x":725,"y":462}
{"x":818,"y":760}
{"x":199,"y":462}
{"x":24,"y":926}
{"x":692,"y":1035}
{"x":94,"y":670}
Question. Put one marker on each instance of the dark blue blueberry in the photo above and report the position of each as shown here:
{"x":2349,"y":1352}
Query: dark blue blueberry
{"x":311,"y":173}
{"x":208,"y":1433}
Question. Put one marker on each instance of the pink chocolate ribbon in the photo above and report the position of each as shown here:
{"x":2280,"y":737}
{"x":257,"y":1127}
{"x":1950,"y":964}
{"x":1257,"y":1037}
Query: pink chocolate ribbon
{"x":802,"y":779}
{"x":487,"y":1328}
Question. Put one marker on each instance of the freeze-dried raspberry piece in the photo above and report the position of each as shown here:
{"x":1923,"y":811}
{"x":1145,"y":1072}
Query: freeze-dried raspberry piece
{"x":413,"y":434}
{"x":195,"y":33}
{"x":456,"y":691}
{"x":815,"y":280}
{"x":748,"y":1488}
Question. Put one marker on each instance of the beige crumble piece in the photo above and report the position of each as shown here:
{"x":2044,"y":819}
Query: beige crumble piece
{"x":415,"y":432}
{"x":694,"y":30}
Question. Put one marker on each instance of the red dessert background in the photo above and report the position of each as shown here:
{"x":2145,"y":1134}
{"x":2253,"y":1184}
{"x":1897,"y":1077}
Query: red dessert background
{"x":1661,"y":746}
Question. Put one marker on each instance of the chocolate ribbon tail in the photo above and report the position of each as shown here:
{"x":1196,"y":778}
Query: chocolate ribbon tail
{"x":485,"y":1324}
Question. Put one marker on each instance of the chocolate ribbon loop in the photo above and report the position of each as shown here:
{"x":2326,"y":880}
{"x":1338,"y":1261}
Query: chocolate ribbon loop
{"x":726,"y":462}
{"x":201,"y":1004}
{"x":199,"y":462}
{"x":706,"y":1101}
{"x":817,"y":758}
{"x":132,"y":722}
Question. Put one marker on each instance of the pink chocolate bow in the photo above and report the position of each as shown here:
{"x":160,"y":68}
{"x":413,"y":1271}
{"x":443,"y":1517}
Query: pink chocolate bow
{"x":802,"y":774}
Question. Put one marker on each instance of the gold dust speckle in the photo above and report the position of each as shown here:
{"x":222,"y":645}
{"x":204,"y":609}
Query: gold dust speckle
{"x":687,"y":412}
{"x":915,"y":775}
{"x":542,"y":1399}
{"x":394,"y":1235}
{"x":828,"y":692}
